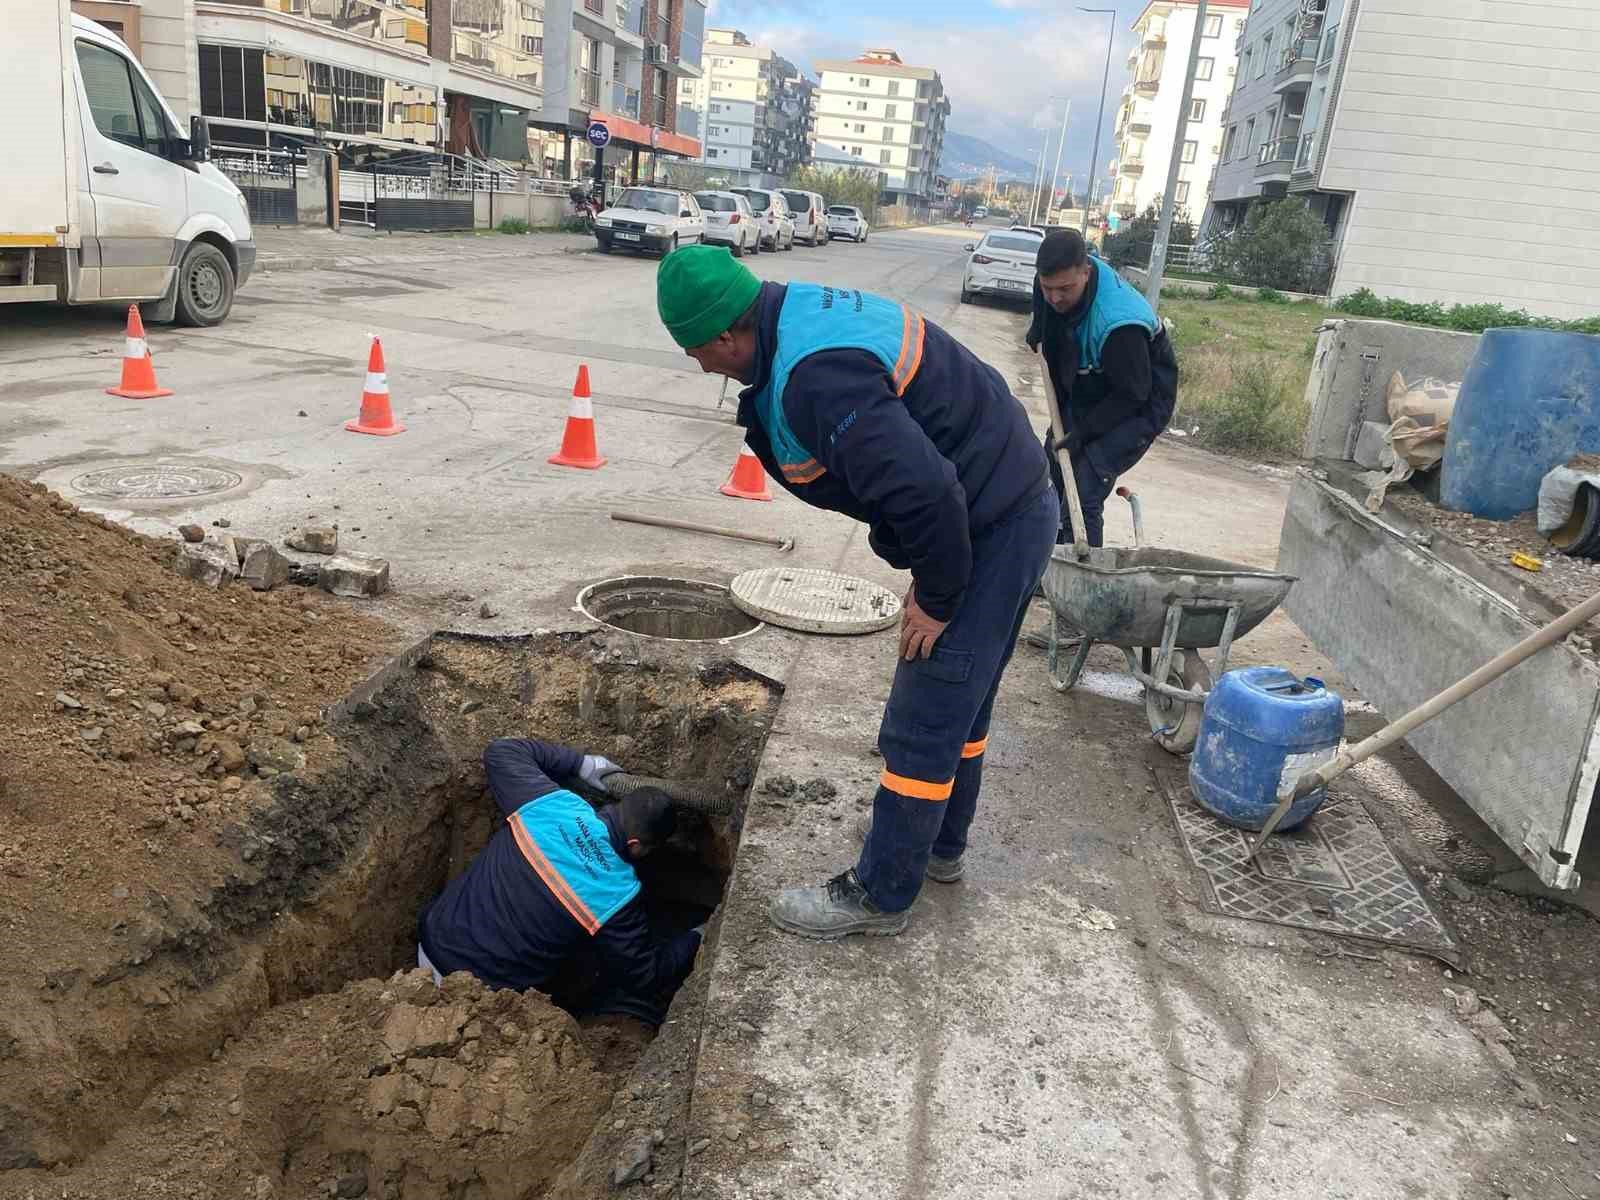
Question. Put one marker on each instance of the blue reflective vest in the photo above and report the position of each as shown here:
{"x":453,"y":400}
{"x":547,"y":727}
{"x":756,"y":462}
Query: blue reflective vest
{"x":816,"y":318}
{"x":1116,"y":304}
{"x":570,"y":849}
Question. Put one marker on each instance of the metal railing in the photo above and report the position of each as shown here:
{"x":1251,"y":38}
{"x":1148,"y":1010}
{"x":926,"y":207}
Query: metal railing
{"x":1308,"y":144}
{"x":1278,"y":150}
{"x":589,"y":87}
{"x":597,"y":7}
{"x":268,"y":179}
{"x":1330,"y":39}
{"x":1302,"y":53}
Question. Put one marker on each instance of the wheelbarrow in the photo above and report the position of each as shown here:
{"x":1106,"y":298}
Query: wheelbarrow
{"x":1167,"y":605}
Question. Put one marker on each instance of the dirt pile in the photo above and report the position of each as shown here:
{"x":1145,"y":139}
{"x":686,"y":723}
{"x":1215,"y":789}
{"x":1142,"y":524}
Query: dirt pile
{"x":391,"y":1089}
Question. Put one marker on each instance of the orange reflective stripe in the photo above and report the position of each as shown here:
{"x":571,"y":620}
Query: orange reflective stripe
{"x":920,"y":789}
{"x":905,"y":341}
{"x":804,"y":472}
{"x":903,"y":381}
{"x":552,"y":878}
{"x":973,"y":749}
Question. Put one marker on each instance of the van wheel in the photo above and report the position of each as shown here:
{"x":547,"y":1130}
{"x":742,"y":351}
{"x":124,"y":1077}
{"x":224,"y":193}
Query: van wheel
{"x":205,"y":286}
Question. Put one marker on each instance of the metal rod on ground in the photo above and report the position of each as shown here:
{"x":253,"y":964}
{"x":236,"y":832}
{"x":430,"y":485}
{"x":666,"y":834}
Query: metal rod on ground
{"x":1094,"y":157}
{"x":1536,"y":641}
{"x":785,"y":544}
{"x":1158,"y":249}
{"x":1069,"y":480}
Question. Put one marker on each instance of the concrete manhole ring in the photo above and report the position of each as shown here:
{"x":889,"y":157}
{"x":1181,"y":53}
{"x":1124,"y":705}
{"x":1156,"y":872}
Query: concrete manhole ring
{"x":156,"y":481}
{"x":815,"y":601}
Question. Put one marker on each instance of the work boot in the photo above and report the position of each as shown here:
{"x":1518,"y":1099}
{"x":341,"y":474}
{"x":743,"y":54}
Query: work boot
{"x":837,"y":909}
{"x":940,"y":870}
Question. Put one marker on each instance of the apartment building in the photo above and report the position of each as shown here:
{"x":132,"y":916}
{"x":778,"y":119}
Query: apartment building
{"x":1147,"y":117}
{"x":754,"y":109}
{"x":888,"y":117}
{"x":1445,"y":143}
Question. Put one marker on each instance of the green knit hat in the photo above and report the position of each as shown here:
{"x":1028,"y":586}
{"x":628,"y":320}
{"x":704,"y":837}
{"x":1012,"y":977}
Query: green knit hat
{"x":701,"y":291}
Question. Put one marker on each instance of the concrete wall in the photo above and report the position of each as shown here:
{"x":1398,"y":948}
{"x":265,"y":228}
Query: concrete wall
{"x":311,"y":188}
{"x":168,"y":51}
{"x":534,"y":209}
{"x":1350,"y":374}
{"x":1466,"y":130}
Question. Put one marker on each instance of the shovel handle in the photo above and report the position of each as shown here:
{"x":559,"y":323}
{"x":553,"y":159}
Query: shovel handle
{"x":695,"y":527}
{"x":1058,"y":434}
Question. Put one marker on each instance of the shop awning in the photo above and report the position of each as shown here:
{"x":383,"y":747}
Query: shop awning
{"x":646,"y":137}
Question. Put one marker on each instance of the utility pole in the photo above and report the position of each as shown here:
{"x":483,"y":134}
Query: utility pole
{"x":1158,"y":249}
{"x":1038,"y":174}
{"x":1094,"y":157}
{"x":1056,"y":174}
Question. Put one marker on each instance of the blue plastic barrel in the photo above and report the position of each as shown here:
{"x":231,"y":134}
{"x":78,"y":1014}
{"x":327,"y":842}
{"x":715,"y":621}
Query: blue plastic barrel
{"x":1261,"y":726}
{"x":1529,"y":402}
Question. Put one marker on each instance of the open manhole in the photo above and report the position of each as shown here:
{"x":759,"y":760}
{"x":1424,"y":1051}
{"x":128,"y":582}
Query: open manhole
{"x":155,"y":481}
{"x":685,"y":610}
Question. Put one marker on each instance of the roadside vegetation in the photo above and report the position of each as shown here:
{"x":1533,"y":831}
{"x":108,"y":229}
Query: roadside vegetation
{"x":1468,"y":318}
{"x":1244,"y":357}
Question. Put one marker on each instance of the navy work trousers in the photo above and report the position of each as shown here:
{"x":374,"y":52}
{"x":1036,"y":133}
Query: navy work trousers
{"x":1092,"y":494}
{"x":936,"y":724}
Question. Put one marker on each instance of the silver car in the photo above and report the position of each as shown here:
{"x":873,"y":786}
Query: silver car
{"x":730,"y":222}
{"x":777,"y":225}
{"x":1002,"y":264}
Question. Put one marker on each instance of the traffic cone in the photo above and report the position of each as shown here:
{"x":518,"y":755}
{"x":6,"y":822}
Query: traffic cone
{"x":577,"y":442}
{"x":138,"y":371}
{"x":749,"y":478}
{"x":376,"y":417}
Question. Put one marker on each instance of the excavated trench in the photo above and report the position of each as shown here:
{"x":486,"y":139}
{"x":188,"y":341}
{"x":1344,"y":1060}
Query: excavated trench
{"x":267,"y":1035}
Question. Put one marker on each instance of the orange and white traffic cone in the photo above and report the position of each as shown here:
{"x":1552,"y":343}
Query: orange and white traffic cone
{"x":376,"y":416}
{"x":578,"y":447}
{"x":749,"y":478}
{"x":138,"y":371}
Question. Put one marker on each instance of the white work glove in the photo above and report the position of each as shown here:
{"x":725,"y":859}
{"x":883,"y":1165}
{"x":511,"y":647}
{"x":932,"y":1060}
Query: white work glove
{"x":595,"y":769}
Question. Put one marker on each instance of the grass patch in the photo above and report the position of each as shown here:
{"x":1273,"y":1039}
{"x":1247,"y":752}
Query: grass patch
{"x":1468,"y":318}
{"x":1243,"y":363}
{"x":514,"y":225}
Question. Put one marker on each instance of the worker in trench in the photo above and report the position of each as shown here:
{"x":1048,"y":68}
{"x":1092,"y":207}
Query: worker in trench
{"x":555,"y":889}
{"x":855,"y":403}
{"x":1116,"y":376}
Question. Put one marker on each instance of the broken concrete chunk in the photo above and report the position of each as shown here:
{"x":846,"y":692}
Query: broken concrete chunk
{"x":355,"y":575}
{"x":244,"y":544}
{"x":276,"y":754}
{"x":633,"y":1160}
{"x":206,"y":563}
{"x":191,"y":533}
{"x":263,"y":567}
{"x":314,"y":539}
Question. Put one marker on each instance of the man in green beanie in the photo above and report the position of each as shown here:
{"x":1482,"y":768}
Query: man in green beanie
{"x":855,"y":403}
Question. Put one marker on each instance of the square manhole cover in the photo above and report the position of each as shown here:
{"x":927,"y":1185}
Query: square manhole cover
{"x":1335,"y":874}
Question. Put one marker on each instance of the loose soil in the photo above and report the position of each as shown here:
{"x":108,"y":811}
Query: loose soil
{"x":203,"y":902}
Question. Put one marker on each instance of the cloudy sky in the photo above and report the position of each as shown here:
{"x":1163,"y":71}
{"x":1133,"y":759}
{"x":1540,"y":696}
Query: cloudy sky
{"x":1006,"y":64}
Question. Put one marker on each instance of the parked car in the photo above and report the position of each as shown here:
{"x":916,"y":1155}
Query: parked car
{"x":846,"y":221}
{"x":980,"y":213}
{"x":1002,"y":264}
{"x":810,"y":216}
{"x":729,"y":222}
{"x":777,"y":225}
{"x":650,"y":218}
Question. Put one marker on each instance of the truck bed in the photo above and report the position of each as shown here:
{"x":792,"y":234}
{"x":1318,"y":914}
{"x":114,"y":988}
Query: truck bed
{"x":1404,"y":611}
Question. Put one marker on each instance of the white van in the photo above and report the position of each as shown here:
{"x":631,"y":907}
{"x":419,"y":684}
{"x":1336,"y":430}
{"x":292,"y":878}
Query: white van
{"x":104,"y":200}
{"x":810,"y":216}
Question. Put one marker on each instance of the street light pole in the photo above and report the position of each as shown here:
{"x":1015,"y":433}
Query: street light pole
{"x":1056,"y":174}
{"x":1094,"y":158}
{"x":1158,"y":249}
{"x":1038,"y":175}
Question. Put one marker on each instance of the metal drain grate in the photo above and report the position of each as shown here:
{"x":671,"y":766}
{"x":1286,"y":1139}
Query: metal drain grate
{"x":1335,"y":875}
{"x":815,"y":601}
{"x":156,"y":481}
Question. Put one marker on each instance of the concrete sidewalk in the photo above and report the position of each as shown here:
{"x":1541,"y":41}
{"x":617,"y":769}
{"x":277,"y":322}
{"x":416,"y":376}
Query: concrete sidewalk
{"x":283,"y":248}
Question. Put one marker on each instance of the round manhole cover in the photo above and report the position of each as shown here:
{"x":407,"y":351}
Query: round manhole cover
{"x":815,"y":601}
{"x":680,"y":610}
{"x":156,"y":481}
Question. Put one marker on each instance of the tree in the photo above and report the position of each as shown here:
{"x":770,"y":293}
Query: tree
{"x":853,"y":186}
{"x":1131,"y":245}
{"x":1283,"y":245}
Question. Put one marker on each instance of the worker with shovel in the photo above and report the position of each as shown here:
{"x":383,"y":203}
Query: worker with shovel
{"x":556,"y":883}
{"x":1116,"y":377}
{"x":855,"y":403}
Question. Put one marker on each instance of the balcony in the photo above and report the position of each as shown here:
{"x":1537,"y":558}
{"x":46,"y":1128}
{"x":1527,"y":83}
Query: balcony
{"x":1275,"y":160}
{"x":589,"y":89}
{"x":1305,"y":156}
{"x":1132,"y":167}
{"x":1139,"y":129}
{"x":625,"y":100}
{"x":1147,"y":87}
{"x":1296,"y":66}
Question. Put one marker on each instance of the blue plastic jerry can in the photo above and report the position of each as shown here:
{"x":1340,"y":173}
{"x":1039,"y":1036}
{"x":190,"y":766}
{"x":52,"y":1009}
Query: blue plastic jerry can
{"x":1263,"y":727}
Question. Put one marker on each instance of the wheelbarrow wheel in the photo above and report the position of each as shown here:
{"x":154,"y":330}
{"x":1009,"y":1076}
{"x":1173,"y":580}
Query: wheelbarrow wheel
{"x":1175,"y":724}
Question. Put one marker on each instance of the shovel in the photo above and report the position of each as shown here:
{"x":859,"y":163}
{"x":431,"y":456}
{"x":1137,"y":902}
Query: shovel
{"x":1536,"y":641}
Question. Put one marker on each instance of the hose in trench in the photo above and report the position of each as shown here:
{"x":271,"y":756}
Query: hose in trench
{"x":699,"y":795}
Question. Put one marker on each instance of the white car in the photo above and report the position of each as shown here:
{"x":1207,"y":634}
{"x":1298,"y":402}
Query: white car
{"x":729,"y":222}
{"x":777,"y":226}
{"x":845,"y":221}
{"x":810,"y":219}
{"x":650,"y":218}
{"x":1002,"y":264}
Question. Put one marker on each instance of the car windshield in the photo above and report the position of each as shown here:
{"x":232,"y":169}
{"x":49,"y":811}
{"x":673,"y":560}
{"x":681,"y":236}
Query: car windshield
{"x":717,"y":203}
{"x":839,"y":210}
{"x":659,"y":202}
{"x":1012,"y":243}
{"x":759,"y":200}
{"x":798,"y":201}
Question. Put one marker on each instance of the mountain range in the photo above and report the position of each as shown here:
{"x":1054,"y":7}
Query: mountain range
{"x":965,"y":157}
